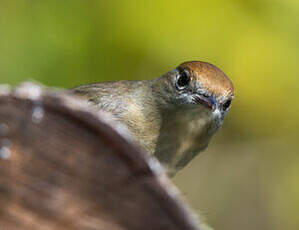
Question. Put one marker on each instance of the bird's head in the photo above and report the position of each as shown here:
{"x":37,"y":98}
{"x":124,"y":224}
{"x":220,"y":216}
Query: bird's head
{"x":193,"y":99}
{"x":196,"y":84}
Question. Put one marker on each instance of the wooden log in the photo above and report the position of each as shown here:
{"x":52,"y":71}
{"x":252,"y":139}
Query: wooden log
{"x":64,"y":167}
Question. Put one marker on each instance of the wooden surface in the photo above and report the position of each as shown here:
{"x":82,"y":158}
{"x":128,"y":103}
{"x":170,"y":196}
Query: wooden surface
{"x":62,"y":167}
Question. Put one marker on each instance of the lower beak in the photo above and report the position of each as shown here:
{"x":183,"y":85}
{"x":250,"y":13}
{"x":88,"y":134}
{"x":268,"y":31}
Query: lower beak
{"x":207,"y":101}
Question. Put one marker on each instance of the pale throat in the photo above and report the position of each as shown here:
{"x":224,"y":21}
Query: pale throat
{"x":183,"y":134}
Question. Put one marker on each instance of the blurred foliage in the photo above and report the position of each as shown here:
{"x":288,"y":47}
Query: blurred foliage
{"x":255,"y":42}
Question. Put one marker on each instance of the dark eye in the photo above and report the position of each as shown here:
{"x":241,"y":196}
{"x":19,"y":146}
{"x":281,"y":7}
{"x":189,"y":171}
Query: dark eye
{"x":183,"y":79}
{"x":226,"y":104}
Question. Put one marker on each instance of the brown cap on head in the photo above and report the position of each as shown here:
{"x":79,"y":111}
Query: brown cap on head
{"x":210,"y":77}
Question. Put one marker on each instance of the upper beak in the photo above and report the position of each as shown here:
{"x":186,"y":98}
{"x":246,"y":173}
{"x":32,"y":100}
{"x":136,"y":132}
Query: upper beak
{"x":207,"y":101}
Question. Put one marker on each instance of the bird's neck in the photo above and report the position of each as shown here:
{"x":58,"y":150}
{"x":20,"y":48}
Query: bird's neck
{"x":141,"y":116}
{"x":172,"y":135}
{"x":183,"y":134}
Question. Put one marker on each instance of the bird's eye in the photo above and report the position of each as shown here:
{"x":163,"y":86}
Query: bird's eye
{"x":183,"y":79}
{"x":226,"y":104}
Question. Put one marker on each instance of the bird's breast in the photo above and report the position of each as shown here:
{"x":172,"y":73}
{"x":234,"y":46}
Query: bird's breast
{"x":183,"y":134}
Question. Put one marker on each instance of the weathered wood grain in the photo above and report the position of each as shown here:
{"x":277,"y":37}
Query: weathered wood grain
{"x":63,"y":167}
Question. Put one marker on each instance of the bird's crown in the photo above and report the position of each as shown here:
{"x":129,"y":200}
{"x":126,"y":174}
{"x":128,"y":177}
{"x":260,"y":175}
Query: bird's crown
{"x":209,"y":77}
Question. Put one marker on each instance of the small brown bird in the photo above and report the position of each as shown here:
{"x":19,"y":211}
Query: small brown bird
{"x":172,"y":117}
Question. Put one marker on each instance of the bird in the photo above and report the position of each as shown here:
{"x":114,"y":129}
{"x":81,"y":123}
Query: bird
{"x":172,"y":117}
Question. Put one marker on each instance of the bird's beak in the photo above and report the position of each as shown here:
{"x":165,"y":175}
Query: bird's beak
{"x":207,"y":101}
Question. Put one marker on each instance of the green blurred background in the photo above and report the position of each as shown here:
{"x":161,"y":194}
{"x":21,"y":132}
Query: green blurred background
{"x":249,"y":176}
